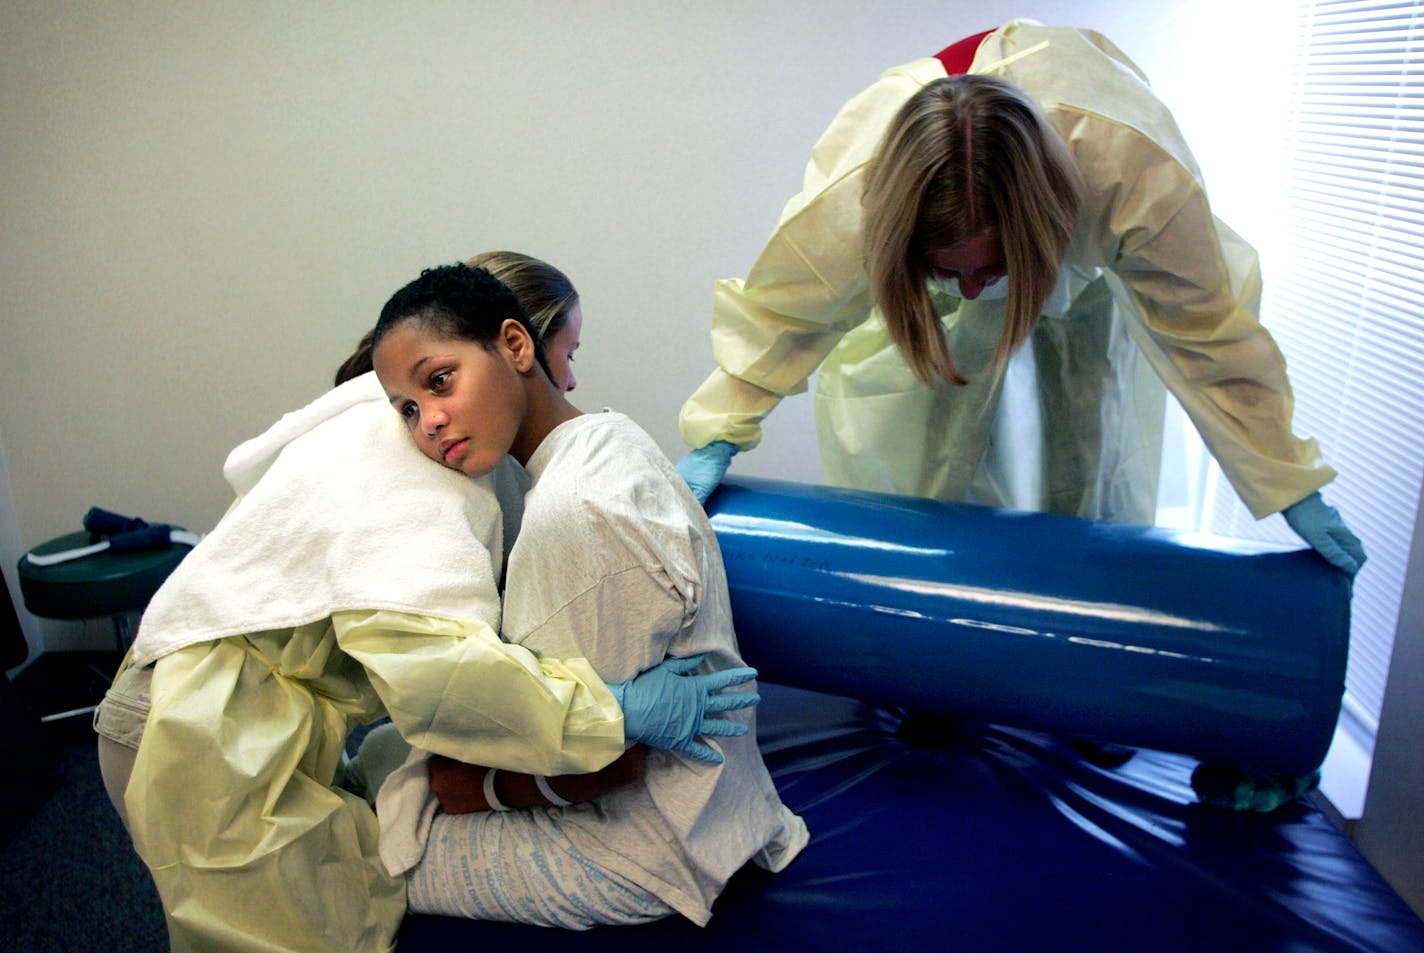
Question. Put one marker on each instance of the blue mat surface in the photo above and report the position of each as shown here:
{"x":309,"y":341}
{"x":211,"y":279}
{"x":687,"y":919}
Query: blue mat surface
{"x":935,"y":835}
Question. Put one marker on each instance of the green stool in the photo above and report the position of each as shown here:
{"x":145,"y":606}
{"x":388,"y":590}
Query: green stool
{"x":107,"y":583}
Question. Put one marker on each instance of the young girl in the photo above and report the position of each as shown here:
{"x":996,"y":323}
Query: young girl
{"x":555,"y":315}
{"x":351,"y":578}
{"x":615,"y":561}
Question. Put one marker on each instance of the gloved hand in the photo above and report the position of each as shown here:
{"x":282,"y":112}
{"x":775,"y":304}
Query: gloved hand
{"x":1320,"y":525}
{"x":704,"y":468}
{"x":664,"y":707}
{"x":1236,"y":788}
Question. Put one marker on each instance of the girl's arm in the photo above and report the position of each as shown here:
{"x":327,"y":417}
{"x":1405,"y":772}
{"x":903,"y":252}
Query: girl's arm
{"x":459,"y":787}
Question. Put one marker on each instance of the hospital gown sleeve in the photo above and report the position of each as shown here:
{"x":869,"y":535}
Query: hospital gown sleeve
{"x":457,"y":689}
{"x":1195,"y":289}
{"x":807,"y":288}
{"x":623,"y":624}
{"x":632,"y":600}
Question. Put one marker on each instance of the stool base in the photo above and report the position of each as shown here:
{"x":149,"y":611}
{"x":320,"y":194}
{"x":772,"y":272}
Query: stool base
{"x":67,"y":686}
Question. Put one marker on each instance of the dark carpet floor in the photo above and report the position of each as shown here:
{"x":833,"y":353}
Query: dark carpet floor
{"x":70,"y":881}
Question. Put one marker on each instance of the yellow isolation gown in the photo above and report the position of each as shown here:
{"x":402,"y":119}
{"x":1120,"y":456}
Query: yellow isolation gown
{"x":1154,"y":291}
{"x":351,"y":578}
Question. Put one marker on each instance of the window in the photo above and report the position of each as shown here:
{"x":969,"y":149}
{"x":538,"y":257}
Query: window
{"x":1345,"y":299}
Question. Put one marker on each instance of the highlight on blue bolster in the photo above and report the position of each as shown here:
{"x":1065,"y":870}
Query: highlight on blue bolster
{"x":1226,"y":650}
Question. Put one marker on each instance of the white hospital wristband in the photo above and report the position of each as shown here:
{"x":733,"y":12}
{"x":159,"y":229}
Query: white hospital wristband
{"x":490,"y":797}
{"x":542,"y":783}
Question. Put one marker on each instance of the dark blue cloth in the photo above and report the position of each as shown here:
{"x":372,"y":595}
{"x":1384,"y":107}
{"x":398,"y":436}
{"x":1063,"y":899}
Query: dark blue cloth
{"x":127,"y":533}
{"x":102,"y":522}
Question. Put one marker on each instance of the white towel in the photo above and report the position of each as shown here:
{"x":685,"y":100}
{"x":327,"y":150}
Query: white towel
{"x":336,"y":510}
{"x":406,"y":808}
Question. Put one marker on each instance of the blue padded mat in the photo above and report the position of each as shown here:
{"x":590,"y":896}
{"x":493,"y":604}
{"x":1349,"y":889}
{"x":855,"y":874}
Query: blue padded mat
{"x":983,"y":838}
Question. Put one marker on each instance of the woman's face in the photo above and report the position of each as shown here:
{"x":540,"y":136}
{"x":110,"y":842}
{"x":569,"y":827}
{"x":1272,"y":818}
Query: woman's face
{"x":559,"y":349}
{"x":462,"y":402}
{"x":975,"y":263}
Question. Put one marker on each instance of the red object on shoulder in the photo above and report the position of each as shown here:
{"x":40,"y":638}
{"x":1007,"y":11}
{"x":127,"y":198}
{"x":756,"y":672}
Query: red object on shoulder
{"x":957,"y":57}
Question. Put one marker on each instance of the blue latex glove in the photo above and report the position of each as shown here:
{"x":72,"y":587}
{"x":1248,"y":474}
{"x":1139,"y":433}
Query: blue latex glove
{"x":1320,"y":525}
{"x":704,"y":468}
{"x":664,"y":707}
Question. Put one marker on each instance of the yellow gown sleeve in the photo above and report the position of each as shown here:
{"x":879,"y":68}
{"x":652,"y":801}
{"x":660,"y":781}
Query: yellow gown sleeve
{"x":232,"y":807}
{"x":771,"y":330}
{"x":1195,"y":290}
{"x":457,"y":689}
{"x":1192,"y":286}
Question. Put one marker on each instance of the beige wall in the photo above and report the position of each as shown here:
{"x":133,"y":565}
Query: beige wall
{"x":205,"y":204}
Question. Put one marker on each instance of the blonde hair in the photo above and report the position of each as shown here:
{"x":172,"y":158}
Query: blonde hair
{"x":966,"y":156}
{"x":545,"y":292}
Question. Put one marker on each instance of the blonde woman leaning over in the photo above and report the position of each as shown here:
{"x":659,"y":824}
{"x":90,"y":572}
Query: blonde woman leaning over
{"x":1023,"y":187}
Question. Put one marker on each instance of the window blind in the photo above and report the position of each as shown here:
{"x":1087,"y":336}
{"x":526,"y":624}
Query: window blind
{"x":1344,"y":299}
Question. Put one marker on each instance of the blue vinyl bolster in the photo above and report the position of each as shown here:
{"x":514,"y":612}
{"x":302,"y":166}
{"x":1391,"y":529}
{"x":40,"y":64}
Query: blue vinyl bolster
{"x":1223,"y":649}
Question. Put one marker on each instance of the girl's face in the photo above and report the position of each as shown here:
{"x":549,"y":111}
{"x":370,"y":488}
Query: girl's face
{"x":976,"y":263}
{"x":559,"y":350}
{"x":464,"y":403}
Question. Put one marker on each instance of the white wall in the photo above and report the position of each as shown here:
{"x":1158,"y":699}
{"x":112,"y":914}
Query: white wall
{"x":205,"y":204}
{"x":10,"y":552}
{"x":1389,"y":831}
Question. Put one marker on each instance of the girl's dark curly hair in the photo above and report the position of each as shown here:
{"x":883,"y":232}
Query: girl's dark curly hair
{"x":456,"y":302}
